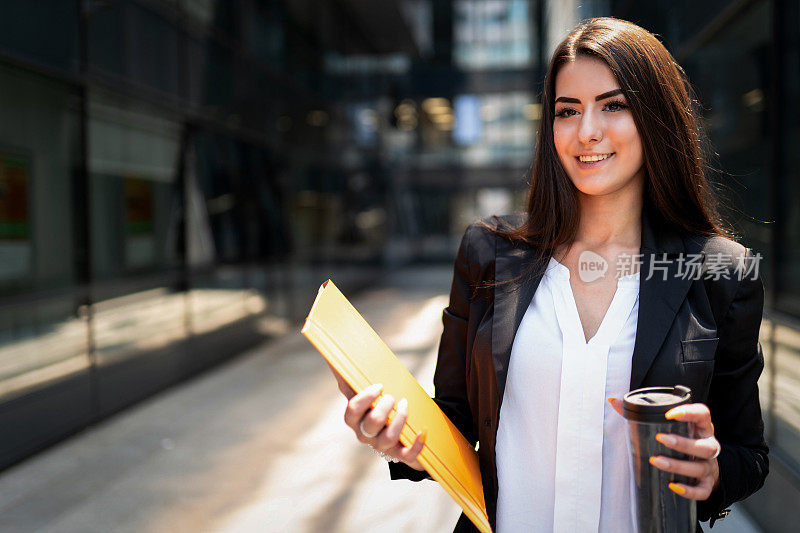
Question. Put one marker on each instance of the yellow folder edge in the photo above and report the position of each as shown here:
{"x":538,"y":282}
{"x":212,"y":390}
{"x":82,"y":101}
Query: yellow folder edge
{"x":322,"y":332}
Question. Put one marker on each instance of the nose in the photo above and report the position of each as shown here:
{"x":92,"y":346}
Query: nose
{"x":590,"y":130}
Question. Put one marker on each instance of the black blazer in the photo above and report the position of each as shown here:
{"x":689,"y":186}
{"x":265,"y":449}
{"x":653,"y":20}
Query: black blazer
{"x":702,"y":333}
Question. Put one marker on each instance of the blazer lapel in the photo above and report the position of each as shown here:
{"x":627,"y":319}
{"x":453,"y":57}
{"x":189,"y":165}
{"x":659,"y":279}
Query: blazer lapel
{"x":512,"y":296}
{"x":661,"y":291}
{"x":660,"y":296}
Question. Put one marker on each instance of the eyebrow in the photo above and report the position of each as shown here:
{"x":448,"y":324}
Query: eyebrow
{"x":597,"y":98}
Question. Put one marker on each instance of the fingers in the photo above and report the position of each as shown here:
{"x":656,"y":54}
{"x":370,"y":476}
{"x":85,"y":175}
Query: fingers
{"x":705,"y":448}
{"x":703,"y":471}
{"x":696,"y":413}
{"x":357,"y":405}
{"x":375,"y":419}
{"x":372,"y":412}
{"x":700,"y":492}
{"x":410,"y":453}
{"x":693,"y":469}
{"x":616,"y":403}
{"x":705,"y":468}
{"x":389,"y":438}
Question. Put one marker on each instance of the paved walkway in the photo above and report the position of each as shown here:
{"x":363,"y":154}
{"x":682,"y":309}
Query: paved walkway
{"x":255,"y":445}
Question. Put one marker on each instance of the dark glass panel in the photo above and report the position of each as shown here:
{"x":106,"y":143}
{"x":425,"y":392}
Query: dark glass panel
{"x":789,"y":178}
{"x":43,"y":341}
{"x":38,"y":156}
{"x":731,"y":76}
{"x":44,"y":31}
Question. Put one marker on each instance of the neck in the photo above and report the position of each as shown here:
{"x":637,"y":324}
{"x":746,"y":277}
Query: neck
{"x":612,"y":220}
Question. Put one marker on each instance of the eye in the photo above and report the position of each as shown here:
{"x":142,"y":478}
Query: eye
{"x":566,"y":112}
{"x":615,"y":105}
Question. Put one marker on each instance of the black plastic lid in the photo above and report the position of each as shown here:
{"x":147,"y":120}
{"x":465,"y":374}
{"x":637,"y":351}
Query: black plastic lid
{"x":651,"y":403}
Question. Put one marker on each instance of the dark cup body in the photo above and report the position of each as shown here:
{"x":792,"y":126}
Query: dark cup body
{"x":658,"y":509}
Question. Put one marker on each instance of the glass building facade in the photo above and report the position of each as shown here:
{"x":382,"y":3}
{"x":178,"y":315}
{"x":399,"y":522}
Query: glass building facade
{"x":148,"y":155}
{"x":177,"y":176}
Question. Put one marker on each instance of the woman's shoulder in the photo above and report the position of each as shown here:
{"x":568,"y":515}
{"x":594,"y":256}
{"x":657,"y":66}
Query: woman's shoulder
{"x":724,"y":258}
{"x":730,"y":270}
{"x":486,"y":231}
{"x":479,"y":245}
{"x":492,"y":227}
{"x":716,"y":244}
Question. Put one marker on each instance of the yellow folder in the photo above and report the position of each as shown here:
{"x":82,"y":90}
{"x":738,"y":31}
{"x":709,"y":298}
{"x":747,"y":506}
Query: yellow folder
{"x":359,"y":355}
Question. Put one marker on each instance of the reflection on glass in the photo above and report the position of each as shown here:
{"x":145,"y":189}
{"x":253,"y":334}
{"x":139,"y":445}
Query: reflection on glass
{"x":41,"y":339}
{"x":787,"y":391}
{"x":38,"y":135}
{"x":129,"y":325}
{"x":221,"y":298}
{"x":132,"y":161}
{"x":40,"y":343}
{"x":15,"y":220}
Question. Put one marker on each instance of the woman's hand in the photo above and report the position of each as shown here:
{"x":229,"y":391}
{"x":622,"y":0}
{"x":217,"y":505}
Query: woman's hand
{"x":368,"y":415}
{"x":705,"y":448}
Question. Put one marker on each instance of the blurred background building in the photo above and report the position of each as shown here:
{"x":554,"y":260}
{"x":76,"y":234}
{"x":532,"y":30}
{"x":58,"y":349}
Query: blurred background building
{"x":178,"y":176}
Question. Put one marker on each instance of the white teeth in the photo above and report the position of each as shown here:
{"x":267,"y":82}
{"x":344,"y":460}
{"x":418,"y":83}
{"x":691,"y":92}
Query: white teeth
{"x":593,"y":158}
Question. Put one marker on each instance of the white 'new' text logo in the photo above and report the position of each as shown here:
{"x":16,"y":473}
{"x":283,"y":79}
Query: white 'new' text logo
{"x":591,"y":266}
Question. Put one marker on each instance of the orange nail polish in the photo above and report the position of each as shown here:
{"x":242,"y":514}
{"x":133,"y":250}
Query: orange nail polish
{"x":652,"y":460}
{"x":423,"y":435}
{"x":677,"y":488}
{"x":666,"y":440}
{"x":673,"y":414}
{"x":611,"y":400}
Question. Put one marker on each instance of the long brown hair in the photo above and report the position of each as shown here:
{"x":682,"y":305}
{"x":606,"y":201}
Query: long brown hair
{"x":676,"y":192}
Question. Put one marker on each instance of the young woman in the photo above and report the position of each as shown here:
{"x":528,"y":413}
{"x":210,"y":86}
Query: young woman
{"x":534,"y":342}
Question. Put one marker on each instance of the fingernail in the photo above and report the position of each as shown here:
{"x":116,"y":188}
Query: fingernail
{"x":659,"y":462}
{"x":402,"y":405}
{"x":376,"y":389}
{"x":673,"y":414}
{"x":677,"y":488}
{"x":611,"y":400}
{"x":423,"y":435}
{"x":667,"y":440}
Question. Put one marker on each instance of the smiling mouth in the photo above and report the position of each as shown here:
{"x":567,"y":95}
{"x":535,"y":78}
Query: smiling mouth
{"x":594,"y":158}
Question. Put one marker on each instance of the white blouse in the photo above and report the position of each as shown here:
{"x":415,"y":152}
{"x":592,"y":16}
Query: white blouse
{"x":562,"y":450}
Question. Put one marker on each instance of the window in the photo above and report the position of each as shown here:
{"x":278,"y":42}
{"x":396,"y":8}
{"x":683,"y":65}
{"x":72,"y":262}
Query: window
{"x":492,"y":34}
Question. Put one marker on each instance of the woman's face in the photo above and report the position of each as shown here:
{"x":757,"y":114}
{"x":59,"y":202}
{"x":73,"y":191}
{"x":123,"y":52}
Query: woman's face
{"x":594,"y":133}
